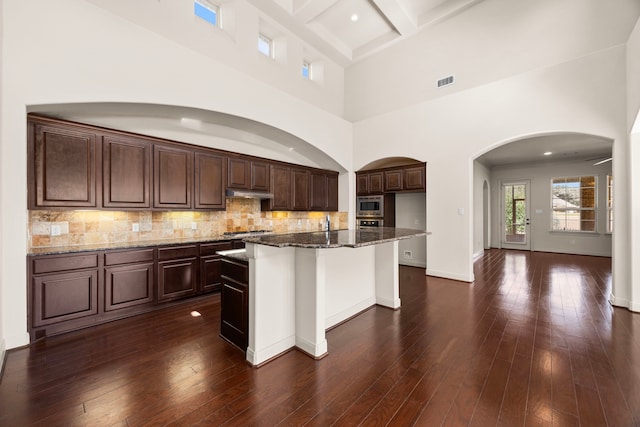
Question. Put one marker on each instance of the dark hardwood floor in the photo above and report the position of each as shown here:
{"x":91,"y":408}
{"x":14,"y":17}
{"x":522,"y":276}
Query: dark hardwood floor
{"x":533,"y":341}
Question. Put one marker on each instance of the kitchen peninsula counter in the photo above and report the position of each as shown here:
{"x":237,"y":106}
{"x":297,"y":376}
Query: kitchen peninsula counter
{"x":301,"y":284}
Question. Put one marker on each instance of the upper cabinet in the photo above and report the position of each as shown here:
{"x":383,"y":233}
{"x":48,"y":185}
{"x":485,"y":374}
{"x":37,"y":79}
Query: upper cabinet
{"x":126,"y":172}
{"x":410,"y":178}
{"x":62,"y":166}
{"x":172,"y":177}
{"x":76,"y":166}
{"x":210,"y":181}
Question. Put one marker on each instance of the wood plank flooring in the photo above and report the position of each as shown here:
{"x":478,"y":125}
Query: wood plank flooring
{"x":533,"y":341}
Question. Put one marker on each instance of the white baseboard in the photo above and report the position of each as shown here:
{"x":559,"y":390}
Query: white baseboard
{"x":256,"y":357}
{"x":3,"y":354}
{"x":351,"y":311}
{"x":447,"y":275}
{"x":412,"y":263}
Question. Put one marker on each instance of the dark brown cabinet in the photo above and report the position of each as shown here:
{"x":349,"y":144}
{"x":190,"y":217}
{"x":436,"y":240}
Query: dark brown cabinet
{"x":62,"y":166}
{"x":369,"y":183}
{"x":260,"y":173}
{"x":332,"y":192}
{"x":318,"y":199}
{"x":281,"y":189}
{"x":299,"y":189}
{"x":177,"y":272}
{"x":172,"y":177}
{"x":210,"y":181}
{"x":64,"y":288}
{"x":128,"y":278}
{"x":409,"y":178}
{"x":126,"y":173}
{"x":393,"y":180}
{"x":211,"y":265}
{"x":234,"y":311}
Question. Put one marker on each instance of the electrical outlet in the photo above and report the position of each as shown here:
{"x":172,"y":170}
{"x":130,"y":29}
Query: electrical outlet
{"x":194,"y":225}
{"x":135,"y":227}
{"x":408,"y":254}
{"x":416,"y":222}
{"x":55,"y":230}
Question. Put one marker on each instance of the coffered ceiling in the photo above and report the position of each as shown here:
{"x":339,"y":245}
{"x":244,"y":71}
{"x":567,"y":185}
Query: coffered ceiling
{"x":348,"y":30}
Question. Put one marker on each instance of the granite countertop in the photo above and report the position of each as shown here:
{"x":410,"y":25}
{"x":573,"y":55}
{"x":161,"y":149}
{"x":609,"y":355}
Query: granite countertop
{"x":351,"y":238}
{"x":235,"y":254}
{"x":133,"y":245}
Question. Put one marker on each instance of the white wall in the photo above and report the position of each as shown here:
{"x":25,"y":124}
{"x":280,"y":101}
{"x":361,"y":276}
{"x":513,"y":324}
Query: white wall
{"x":541,"y":238}
{"x":411,"y":212}
{"x":481,"y":175}
{"x":585,"y":95}
{"x":2,"y":261}
{"x":73,"y":51}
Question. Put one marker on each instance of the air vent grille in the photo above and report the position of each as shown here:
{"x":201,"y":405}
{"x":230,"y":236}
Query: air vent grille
{"x":446,"y":81}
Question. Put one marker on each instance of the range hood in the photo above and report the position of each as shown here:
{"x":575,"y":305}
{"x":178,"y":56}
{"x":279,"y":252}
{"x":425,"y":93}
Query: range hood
{"x":249,"y":194}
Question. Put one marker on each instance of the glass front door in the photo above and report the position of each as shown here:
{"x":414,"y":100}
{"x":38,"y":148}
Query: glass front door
{"x":515,"y":216}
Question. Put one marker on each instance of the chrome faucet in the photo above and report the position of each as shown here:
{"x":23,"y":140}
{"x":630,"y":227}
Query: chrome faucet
{"x":328,"y":223}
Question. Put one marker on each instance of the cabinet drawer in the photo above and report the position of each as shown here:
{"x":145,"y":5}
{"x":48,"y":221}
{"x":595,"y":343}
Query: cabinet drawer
{"x":128,"y":257}
{"x":236,"y":271}
{"x":212,"y":248}
{"x":64,"y":263}
{"x":176,"y":252}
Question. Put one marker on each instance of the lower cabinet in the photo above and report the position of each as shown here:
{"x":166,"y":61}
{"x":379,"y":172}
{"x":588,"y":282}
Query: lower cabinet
{"x":234,"y":311}
{"x":177,"y":272}
{"x":67,"y":292}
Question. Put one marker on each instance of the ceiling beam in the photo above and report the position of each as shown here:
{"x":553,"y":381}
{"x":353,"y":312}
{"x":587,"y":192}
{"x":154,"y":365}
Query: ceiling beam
{"x":312,"y":9}
{"x":398,"y":17}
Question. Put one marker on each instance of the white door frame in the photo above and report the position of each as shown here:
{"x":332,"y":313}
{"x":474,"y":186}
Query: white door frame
{"x":526,"y":244}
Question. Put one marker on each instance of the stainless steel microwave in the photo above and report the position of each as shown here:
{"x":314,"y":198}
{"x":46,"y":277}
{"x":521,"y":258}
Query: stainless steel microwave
{"x":370,"y":206}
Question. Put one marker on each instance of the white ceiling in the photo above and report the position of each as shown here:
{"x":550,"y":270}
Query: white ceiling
{"x":327,"y":26}
{"x":564,"y":147}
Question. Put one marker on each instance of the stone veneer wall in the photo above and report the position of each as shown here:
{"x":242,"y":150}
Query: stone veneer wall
{"x":109,"y":227}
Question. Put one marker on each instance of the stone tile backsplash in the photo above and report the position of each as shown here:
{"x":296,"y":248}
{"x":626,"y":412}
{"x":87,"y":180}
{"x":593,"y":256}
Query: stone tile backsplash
{"x":71,"y":228}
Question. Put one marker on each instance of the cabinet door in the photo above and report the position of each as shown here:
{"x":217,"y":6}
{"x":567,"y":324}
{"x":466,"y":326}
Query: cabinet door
{"x":126,"y":173}
{"x":376,"y":182}
{"x":362,"y":183}
{"x":210,"y":265}
{"x":63,"y":172}
{"x":128,"y":285}
{"x":177,"y":278}
{"x":317,"y":191}
{"x":300,"y":189}
{"x":332,"y":192}
{"x":414,"y":178}
{"x":260,"y":176}
{"x":239,"y":173}
{"x":393,"y":180}
{"x":234,"y":304}
{"x":172,"y":177}
{"x":210,"y":177}
{"x":64,"y":296}
{"x":281,"y":188}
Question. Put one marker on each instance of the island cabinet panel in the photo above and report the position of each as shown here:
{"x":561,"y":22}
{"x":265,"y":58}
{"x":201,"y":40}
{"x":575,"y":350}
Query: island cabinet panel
{"x":62,"y":166}
{"x":126,"y":173}
{"x":177,"y":272}
{"x":128,"y":278}
{"x":318,"y":194}
{"x":299,"y":189}
{"x":281,"y":189}
{"x":210,"y":181}
{"x":211,"y":265}
{"x":239,"y":173}
{"x":234,"y":311}
{"x":172,"y":177}
{"x":260,"y":172}
{"x":393,"y":180}
{"x":414,"y":179}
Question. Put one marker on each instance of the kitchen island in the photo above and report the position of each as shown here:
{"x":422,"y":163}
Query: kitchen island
{"x":301,"y":284}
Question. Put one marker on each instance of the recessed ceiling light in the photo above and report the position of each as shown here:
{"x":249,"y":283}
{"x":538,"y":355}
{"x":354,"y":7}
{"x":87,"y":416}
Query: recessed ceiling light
{"x":547,"y":153}
{"x":354,"y":17}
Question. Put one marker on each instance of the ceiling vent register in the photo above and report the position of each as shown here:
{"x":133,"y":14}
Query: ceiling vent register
{"x":446,"y":81}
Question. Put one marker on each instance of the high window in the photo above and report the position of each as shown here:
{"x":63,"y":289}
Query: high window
{"x":306,"y":70}
{"x":573,"y":204}
{"x":609,"y":204}
{"x":208,"y":11}
{"x":265,"y":45}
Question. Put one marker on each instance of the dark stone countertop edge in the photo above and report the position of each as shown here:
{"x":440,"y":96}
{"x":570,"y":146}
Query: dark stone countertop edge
{"x":53,"y":250}
{"x":235,"y":254}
